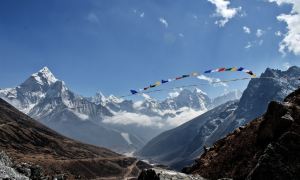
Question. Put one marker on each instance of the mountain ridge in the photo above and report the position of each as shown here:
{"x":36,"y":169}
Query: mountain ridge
{"x":219,"y":121}
{"x":266,"y":148}
{"x":48,"y":99}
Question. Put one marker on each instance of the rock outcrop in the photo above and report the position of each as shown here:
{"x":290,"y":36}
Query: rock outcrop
{"x":266,"y":148}
{"x":6,"y":170}
{"x":163,"y":174}
{"x":180,"y":146}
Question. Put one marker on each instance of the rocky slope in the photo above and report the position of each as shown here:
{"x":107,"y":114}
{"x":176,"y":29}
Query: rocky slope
{"x":26,"y":140}
{"x":163,"y":174}
{"x":178,"y":147}
{"x":6,"y":170}
{"x":266,"y":148}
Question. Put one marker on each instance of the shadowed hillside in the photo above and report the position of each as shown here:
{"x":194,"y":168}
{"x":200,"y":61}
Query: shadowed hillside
{"x":266,"y":148}
{"x":26,"y":140}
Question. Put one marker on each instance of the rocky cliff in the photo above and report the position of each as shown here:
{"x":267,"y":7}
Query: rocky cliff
{"x":266,"y":148}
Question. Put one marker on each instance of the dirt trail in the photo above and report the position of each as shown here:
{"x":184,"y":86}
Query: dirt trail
{"x":129,"y":170}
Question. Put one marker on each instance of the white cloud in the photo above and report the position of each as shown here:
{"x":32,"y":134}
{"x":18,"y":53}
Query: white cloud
{"x":142,"y":14}
{"x":164,"y":22}
{"x":212,"y":81}
{"x":259,"y":33}
{"x":254,"y":43}
{"x":278,"y":33}
{"x":93,"y":18}
{"x":243,"y":14}
{"x":247,"y":30}
{"x":127,"y":118}
{"x":181,"y":35}
{"x":185,"y":116}
{"x":286,"y":65}
{"x":146,"y":96}
{"x":174,"y":94}
{"x":291,"y":40}
{"x":223,"y":11}
{"x":249,"y":45}
{"x":81,"y":115}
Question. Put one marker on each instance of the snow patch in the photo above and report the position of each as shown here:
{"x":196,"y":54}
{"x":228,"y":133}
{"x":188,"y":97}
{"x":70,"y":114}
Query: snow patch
{"x":44,"y":74}
{"x":200,"y":91}
{"x":126,"y":137}
{"x":80,"y":115}
{"x":186,"y":115}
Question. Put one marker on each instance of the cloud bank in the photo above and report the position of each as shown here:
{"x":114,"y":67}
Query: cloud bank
{"x":291,"y":40}
{"x":127,"y":118}
{"x":212,"y":81}
{"x":224,"y":11}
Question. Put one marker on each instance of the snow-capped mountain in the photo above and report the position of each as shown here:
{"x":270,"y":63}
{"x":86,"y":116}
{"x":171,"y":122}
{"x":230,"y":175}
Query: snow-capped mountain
{"x":170,"y":107}
{"x":195,"y":99}
{"x":178,"y":147}
{"x":47,"y":99}
{"x":229,"y":96}
{"x":30,"y":92}
{"x":273,"y":84}
{"x":42,"y":94}
{"x":109,"y":121}
{"x":113,"y":103}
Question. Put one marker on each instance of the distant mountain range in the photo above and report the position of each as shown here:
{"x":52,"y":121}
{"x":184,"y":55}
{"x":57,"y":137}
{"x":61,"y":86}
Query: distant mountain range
{"x":118,"y":124}
{"x":47,"y":99}
{"x":178,"y":147}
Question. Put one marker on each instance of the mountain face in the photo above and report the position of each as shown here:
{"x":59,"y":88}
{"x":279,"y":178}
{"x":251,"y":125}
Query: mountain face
{"x":111,"y":122}
{"x":196,"y":99}
{"x":31,"y":144}
{"x":229,"y":96}
{"x":260,"y":92}
{"x":178,"y":147}
{"x":47,"y":99}
{"x":181,"y":145}
{"x":266,"y":148}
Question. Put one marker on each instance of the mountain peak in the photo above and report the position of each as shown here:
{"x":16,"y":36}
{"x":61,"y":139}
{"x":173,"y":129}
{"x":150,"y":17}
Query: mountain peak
{"x":199,"y":91}
{"x":45,"y":70}
{"x":44,"y":76}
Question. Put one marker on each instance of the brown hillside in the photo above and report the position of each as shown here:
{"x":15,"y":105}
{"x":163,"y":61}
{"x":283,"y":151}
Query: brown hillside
{"x":26,"y":140}
{"x":266,"y":148}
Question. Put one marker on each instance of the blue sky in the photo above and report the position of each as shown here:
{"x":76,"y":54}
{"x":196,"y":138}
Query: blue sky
{"x":117,"y":45}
